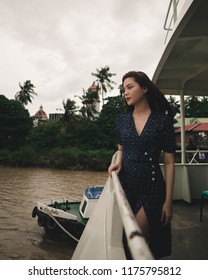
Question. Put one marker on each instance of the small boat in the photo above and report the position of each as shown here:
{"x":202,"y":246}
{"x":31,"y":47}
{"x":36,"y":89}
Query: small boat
{"x":67,"y":214}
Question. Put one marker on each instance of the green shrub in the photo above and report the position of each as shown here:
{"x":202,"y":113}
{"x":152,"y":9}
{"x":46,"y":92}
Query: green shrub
{"x":99,"y":160}
{"x":64,"y":158}
{"x":24,"y":156}
{"x":4,"y":156}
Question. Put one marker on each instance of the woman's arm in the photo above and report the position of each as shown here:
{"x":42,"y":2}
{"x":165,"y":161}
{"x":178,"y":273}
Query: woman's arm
{"x":118,"y":163}
{"x":169,"y":168}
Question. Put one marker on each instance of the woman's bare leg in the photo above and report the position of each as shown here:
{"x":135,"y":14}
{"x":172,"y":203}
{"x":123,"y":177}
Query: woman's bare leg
{"x":143,"y":223}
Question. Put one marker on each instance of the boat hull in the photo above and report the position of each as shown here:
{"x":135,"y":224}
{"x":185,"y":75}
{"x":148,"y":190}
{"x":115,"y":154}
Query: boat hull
{"x":51,"y":225}
{"x":60,"y":215}
{"x":67,"y":215}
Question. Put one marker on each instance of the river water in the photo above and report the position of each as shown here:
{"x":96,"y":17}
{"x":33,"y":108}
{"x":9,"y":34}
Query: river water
{"x":20,"y":188}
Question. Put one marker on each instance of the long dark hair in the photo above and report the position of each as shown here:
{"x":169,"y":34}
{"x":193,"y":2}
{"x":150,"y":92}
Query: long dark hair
{"x":156,"y":99}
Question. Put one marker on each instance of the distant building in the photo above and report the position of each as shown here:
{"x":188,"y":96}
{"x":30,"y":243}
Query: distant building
{"x":94,"y":88}
{"x":196,"y":129}
{"x":188,"y":121}
{"x":55,"y":117}
{"x":40,"y":117}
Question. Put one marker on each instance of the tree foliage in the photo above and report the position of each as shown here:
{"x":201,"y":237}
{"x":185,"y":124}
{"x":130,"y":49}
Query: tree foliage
{"x":69,"y":117}
{"x":203,"y":107}
{"x":174,"y":104}
{"x":196,"y":107}
{"x":89,"y":100}
{"x":25,"y":95}
{"x":106,"y":122}
{"x":103,"y":80}
{"x":192,"y":106}
{"x":82,"y":138}
{"x":15,"y":123}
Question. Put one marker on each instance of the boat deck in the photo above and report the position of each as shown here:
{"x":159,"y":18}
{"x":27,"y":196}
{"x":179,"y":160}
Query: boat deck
{"x":189,"y":235}
{"x":74,"y":209}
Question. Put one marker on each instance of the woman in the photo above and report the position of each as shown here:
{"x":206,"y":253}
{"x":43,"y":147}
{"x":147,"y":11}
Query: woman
{"x":143,"y":132}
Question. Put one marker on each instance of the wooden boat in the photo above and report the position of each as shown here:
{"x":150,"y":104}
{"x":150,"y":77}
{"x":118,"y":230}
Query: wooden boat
{"x":67,"y":214}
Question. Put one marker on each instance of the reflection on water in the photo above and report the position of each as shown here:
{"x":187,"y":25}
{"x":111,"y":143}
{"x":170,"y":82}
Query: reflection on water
{"x":20,"y":189}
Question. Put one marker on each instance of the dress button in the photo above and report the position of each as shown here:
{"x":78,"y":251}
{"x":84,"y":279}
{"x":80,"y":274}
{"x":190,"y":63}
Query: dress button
{"x":153,"y":179}
{"x":153,"y":172}
{"x":150,"y":159}
{"x":145,"y":153}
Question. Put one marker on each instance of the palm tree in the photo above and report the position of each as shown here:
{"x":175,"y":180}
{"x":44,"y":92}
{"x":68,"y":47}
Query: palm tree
{"x":203,"y":107}
{"x":89,"y":100}
{"x":192,"y":104}
{"x":103,"y":81}
{"x":26,"y":93}
{"x":69,"y":116}
{"x":121,"y":90}
{"x":174,"y":105}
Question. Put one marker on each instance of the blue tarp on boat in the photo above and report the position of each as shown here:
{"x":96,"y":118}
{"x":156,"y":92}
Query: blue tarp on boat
{"x":93,"y":192}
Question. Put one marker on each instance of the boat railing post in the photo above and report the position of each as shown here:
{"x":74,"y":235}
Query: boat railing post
{"x":183,"y":148}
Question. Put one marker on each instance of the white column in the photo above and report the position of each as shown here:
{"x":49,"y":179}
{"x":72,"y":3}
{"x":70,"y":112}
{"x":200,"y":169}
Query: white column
{"x":183,"y":148}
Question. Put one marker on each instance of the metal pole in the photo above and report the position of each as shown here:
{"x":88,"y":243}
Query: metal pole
{"x":175,"y":10}
{"x":183,"y":148}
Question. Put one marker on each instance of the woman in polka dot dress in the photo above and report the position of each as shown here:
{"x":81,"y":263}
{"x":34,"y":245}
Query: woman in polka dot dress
{"x":143,"y":132}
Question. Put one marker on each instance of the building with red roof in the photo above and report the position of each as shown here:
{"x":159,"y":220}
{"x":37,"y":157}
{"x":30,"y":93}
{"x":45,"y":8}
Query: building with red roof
{"x":40,"y":117}
{"x":197,"y":132}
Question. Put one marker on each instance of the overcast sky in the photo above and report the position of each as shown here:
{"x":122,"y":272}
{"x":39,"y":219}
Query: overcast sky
{"x":57,"y":44}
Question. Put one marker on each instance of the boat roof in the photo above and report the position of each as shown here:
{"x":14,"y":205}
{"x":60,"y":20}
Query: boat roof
{"x":93,"y":192}
{"x":184,"y":63}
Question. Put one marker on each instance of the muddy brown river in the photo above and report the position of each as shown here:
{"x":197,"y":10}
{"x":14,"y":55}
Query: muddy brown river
{"x":20,"y":188}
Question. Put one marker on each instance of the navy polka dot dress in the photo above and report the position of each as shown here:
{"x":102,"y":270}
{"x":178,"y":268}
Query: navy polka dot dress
{"x":141,"y":176}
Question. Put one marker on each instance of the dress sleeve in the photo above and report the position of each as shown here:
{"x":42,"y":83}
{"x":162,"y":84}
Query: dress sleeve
{"x":168,"y":133}
{"x":118,"y":130}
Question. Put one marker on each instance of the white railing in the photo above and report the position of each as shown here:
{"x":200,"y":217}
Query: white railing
{"x":103,"y":234}
{"x":194,"y":156}
{"x":173,"y":4}
{"x":136,"y":242}
{"x":171,"y":19}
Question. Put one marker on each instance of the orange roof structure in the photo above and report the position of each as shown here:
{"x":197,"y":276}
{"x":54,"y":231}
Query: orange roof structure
{"x":201,"y":127}
{"x":188,"y":127}
{"x":40,"y":113}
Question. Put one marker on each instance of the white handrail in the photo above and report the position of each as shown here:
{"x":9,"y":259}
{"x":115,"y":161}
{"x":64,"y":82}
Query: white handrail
{"x":174,"y":16}
{"x":136,"y":242}
{"x":103,"y":234}
{"x":202,"y":154}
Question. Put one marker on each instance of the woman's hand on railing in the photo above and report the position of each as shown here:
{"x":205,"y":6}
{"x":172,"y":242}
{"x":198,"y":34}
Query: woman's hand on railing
{"x":114,"y":167}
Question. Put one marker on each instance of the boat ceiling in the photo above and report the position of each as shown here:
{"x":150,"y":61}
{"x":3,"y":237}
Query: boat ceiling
{"x":184,"y":63}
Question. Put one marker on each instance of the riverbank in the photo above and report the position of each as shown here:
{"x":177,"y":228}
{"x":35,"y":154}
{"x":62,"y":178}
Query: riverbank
{"x":69,"y":159}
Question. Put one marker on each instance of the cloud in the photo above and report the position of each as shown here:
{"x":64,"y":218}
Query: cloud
{"x":57,"y":44}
